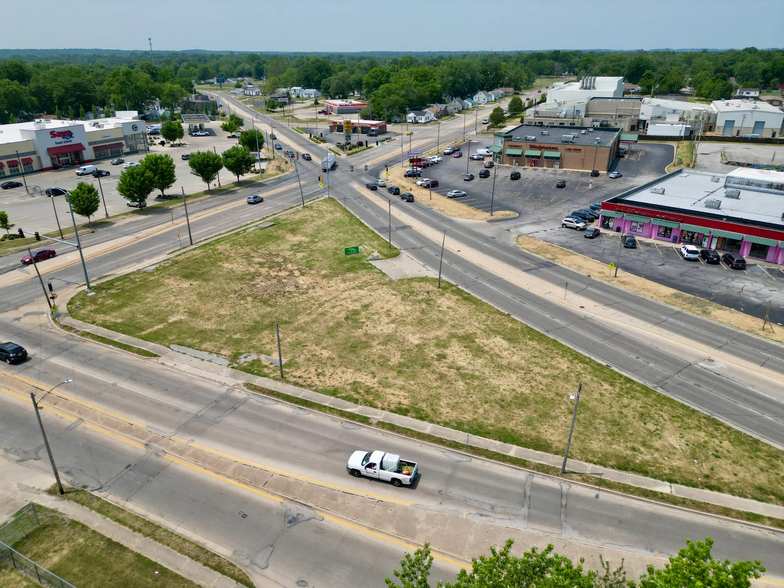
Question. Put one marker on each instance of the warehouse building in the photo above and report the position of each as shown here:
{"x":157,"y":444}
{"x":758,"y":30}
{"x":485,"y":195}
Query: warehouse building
{"x":740,"y":212}
{"x":740,"y":118}
{"x":622,"y":113}
{"x":577,"y":148}
{"x":588,"y":87}
{"x":47,"y":144}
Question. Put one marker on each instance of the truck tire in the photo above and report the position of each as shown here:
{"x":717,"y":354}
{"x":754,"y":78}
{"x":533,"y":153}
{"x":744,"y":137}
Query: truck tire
{"x":396,"y":482}
{"x":356,"y":473}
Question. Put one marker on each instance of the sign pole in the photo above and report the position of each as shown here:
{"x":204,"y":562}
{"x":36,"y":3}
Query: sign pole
{"x":441,"y":262}
{"x":35,"y":265}
{"x":280,"y":357}
{"x":571,"y":429}
{"x":390,"y":224}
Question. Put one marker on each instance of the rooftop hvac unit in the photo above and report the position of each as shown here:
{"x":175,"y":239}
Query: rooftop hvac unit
{"x":530,"y":137}
{"x":657,"y":190}
{"x":713,"y":204}
{"x":545,"y":132}
{"x":732,"y":194}
{"x":715,"y":179}
{"x":567,"y":139}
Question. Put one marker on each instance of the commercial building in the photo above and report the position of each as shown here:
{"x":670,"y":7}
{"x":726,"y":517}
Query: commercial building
{"x":343,"y":106}
{"x":362,"y":127}
{"x":588,"y":87}
{"x":577,"y":148}
{"x":51,"y":144}
{"x":740,"y":212}
{"x":623,"y":113}
{"x":662,"y":111}
{"x":738,"y":118}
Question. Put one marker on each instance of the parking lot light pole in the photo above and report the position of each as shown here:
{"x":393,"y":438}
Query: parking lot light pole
{"x":468,"y":158}
{"x":187,"y":218}
{"x":59,"y":228}
{"x":79,"y":245}
{"x":492,"y":195}
{"x":102,"y":197}
{"x":620,"y":246}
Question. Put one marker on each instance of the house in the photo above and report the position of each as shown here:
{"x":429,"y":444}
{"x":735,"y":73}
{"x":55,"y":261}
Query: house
{"x":497,"y":94}
{"x":238,"y":92}
{"x":482,"y":97}
{"x":419,"y":116}
{"x":506,"y":90}
{"x":748,"y":93}
{"x":296,"y":92}
{"x":438,"y":110}
{"x":772,"y":100}
{"x":455,"y":106}
{"x":251,"y":90}
{"x":310,"y":93}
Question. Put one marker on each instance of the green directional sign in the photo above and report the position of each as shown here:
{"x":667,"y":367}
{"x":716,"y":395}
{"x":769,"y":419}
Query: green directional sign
{"x":351,"y":250}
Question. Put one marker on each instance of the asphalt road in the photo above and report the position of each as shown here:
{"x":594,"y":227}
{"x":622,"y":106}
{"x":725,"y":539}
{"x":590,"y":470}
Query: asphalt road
{"x":303,"y":443}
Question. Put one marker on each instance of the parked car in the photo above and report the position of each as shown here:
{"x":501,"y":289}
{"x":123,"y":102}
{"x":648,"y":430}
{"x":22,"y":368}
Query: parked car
{"x":85,"y":170}
{"x":430,"y":183}
{"x":629,"y":242}
{"x":371,"y":186}
{"x":419,"y":182}
{"x":573,"y":223}
{"x":591,"y":214}
{"x":485,"y":121}
{"x":130,"y":164}
{"x":457,"y":154}
{"x":139,"y":205}
{"x":101,"y":173}
{"x":710,"y":256}
{"x":456,"y":194}
{"x":412,"y":173}
{"x":613,"y":175}
{"x":596,"y":207}
{"x":468,"y":177}
{"x":514,"y":176}
{"x":39,"y":255}
{"x":201,"y":133}
{"x":386,"y":467}
{"x":12,"y":353}
{"x":117,"y":161}
{"x":186,"y":156}
{"x":289,"y":153}
{"x":594,"y":173}
{"x":560,"y":184}
{"x":407,"y":196}
{"x":381,"y":183}
{"x":306,"y":157}
{"x":489,"y":164}
{"x":690,"y":252}
{"x":449,"y":151}
{"x":592,"y":233}
{"x":477,"y":157}
{"x":485,"y":173}
{"x":255,"y":199}
{"x":152,"y":132}
{"x":278,"y":147}
{"x":394,"y":190}
{"x":52,"y":192}
{"x":436,"y":159}
{"x":734,"y":260}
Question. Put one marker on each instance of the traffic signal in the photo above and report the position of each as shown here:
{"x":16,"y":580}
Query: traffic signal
{"x":366,"y":167}
{"x":352,"y":168}
{"x":386,"y":168}
{"x":21,"y":233}
{"x":37,"y":236}
{"x":320,"y":179}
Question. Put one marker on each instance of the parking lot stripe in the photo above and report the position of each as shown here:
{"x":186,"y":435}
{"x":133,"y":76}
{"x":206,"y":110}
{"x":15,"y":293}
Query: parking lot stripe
{"x":767,"y":272}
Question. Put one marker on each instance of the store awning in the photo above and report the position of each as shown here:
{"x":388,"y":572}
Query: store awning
{"x":639,"y":219}
{"x":552,"y":155}
{"x":761,"y":240}
{"x":12,"y":162}
{"x":611,"y":213}
{"x":695,"y":229}
{"x":109,"y":146}
{"x":27,"y":160}
{"x":2,"y":164}
{"x":665,"y":223}
{"x":65,"y":149}
{"x":514,"y":152}
{"x":531,"y":152}
{"x":727,"y":235}
{"x":496,"y":149}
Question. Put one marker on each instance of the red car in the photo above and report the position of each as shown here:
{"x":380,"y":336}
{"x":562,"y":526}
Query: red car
{"x":39,"y":256}
{"x":458,"y":154}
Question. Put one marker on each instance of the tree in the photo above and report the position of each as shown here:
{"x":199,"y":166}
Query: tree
{"x":271,"y":103}
{"x":238,"y":160}
{"x":70,"y":113}
{"x":206,"y":165}
{"x":252,"y":139}
{"x":172,"y":131}
{"x":695,"y":566}
{"x":82,"y":113}
{"x":515,"y":105}
{"x":95,"y":112}
{"x":497,"y":117}
{"x":107,"y":111}
{"x":233,"y":124}
{"x":135,"y":184}
{"x":414,"y":571}
{"x":85,"y":200}
{"x":57,"y":114}
{"x":4,"y":224}
{"x":161,"y":168}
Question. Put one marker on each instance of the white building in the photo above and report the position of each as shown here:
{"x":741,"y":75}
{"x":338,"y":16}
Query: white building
{"x":748,"y":92}
{"x":588,"y":87}
{"x":251,"y":90}
{"x":310,"y":93}
{"x":737,"y":118}
{"x":482,"y":97}
{"x":659,"y":111}
{"x":419,"y":116}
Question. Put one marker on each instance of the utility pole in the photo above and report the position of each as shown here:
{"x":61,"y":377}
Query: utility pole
{"x":438,"y":139}
{"x":79,"y":245}
{"x":301,"y":193}
{"x":59,"y":228}
{"x":492,"y":195}
{"x":35,"y":265}
{"x":468,"y":157}
{"x":21,"y":166}
{"x":571,"y":429}
{"x":258,"y":153}
{"x":152,"y":59}
{"x":390,"y":223}
{"x":187,"y":218}
{"x":441,"y":262}
{"x":215,"y":151}
{"x":620,"y":246}
{"x":46,"y":443}
{"x":102,"y":198}
{"x":280,"y":356}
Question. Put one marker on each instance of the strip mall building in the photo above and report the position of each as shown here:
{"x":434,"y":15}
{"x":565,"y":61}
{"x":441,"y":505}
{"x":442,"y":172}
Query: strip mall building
{"x":740,"y":212}
{"x":47,"y":144}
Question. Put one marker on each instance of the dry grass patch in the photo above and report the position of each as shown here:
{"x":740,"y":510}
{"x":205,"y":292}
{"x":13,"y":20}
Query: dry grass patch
{"x":652,"y":290}
{"x":448,"y":206}
{"x":406,"y":346}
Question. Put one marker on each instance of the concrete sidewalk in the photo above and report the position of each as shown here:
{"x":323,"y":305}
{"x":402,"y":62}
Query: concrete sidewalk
{"x":231,"y":377}
{"x":20,"y":486}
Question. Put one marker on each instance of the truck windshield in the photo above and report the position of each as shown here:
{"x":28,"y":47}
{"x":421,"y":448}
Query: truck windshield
{"x":366,"y":459}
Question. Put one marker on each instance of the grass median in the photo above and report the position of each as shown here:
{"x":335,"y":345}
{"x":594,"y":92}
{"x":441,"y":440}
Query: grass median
{"x":438,"y":355}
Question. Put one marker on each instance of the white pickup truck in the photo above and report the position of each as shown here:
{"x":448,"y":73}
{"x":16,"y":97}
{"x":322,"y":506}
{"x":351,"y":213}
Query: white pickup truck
{"x":382,"y":466}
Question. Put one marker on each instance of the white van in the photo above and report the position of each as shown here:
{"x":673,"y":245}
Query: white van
{"x":485,"y":152}
{"x":86,"y":170}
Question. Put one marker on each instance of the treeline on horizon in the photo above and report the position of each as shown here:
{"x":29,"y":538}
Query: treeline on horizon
{"x":72,"y":82}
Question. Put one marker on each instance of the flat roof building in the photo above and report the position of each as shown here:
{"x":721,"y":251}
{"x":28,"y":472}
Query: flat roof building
{"x":588,"y":87}
{"x":344,"y":106}
{"x":573,"y":147}
{"x":362,"y":127}
{"x":738,"y":118}
{"x":740,"y":212}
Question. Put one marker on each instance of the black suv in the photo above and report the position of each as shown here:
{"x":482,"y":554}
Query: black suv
{"x":709,"y":256}
{"x":485,"y":173}
{"x":514,"y":176}
{"x":12,"y":353}
{"x":394,"y":190}
{"x":734,"y":260}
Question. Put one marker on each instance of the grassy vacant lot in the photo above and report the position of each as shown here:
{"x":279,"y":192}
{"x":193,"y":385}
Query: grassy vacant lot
{"x":10,"y":578}
{"x":437,"y":355}
{"x":87,"y":559}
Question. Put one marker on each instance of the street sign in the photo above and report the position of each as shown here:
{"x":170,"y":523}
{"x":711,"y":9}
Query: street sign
{"x":351,"y":250}
{"x":612,"y":265}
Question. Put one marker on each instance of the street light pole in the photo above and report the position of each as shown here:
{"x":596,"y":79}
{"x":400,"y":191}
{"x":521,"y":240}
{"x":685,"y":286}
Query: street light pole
{"x":571,"y":429}
{"x":492,"y":195}
{"x":468,"y":158}
{"x":390,"y":223}
{"x":102,"y":197}
{"x":441,"y":261}
{"x":35,"y":265}
{"x":620,"y":246}
{"x":59,"y":228}
{"x":21,"y":166}
{"x":46,"y":443}
{"x":438,"y":139}
{"x":79,"y":245}
{"x":187,"y":218}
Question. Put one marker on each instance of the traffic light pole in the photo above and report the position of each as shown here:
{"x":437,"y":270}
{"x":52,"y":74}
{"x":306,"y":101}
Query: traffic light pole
{"x":79,"y":245}
{"x":40,"y":279}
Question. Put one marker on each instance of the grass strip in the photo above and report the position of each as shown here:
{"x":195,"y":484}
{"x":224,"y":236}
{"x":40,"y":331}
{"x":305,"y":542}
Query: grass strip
{"x":107,"y":341}
{"x":157,"y":533}
{"x":662,"y":497}
{"x":88,"y":559}
{"x":360,"y":150}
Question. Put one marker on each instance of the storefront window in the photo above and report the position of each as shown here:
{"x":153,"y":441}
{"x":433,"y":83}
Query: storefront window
{"x":759,"y":251}
{"x":134,"y":142}
{"x":28,"y":166}
{"x":2,"y":172}
{"x":728,"y":245}
{"x":665,"y":232}
{"x":692,"y":237}
{"x":607,"y":222}
{"x":636,"y":227}
{"x":13,"y":169}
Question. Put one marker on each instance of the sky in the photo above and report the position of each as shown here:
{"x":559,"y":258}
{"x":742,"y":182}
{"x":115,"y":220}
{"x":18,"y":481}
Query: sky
{"x":394,"y":25}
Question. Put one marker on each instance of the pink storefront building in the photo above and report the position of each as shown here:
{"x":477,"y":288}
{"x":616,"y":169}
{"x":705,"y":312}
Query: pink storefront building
{"x":740,"y":212}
